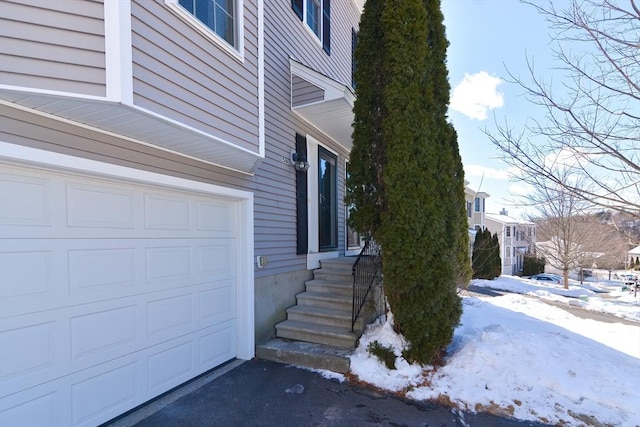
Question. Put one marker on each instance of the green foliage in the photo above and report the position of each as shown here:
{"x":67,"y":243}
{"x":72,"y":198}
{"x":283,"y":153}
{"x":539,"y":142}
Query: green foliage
{"x":384,"y":354}
{"x":486,"y":262}
{"x":496,"y":262}
{"x":532,"y":264}
{"x":406,"y":183}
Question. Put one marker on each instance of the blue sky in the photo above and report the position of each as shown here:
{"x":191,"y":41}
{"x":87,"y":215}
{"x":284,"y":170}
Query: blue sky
{"x":486,"y":38}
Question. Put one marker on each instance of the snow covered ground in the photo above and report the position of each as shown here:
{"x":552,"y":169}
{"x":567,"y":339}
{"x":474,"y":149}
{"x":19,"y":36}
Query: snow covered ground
{"x":517,"y":356}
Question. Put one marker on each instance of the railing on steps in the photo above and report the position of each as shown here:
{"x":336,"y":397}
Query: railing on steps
{"x":365,"y":272}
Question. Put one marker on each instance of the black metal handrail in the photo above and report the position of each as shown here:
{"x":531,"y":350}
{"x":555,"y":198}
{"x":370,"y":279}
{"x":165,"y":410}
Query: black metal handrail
{"x":365,"y":272}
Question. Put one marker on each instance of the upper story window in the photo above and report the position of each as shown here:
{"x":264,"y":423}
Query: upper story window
{"x":218,"y":15}
{"x":219,"y":20}
{"x":477,"y":204}
{"x":316,"y":14}
{"x":469,"y":209}
{"x":508,"y":231}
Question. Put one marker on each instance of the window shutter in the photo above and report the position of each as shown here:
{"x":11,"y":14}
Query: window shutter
{"x":296,"y":5}
{"x":302,"y":229}
{"x":326,"y":26}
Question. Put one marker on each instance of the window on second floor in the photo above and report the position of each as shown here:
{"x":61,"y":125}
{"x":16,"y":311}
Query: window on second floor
{"x":508,"y":231}
{"x":477,"y":204}
{"x":469,"y":209}
{"x":218,"y":15}
{"x":316,"y":14}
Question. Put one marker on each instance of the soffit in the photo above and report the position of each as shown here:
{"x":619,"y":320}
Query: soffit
{"x":138,"y":125}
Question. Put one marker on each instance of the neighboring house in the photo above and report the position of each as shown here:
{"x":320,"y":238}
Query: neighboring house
{"x":153,"y":224}
{"x":633,"y":259}
{"x":516,"y":238}
{"x":476,"y":202}
{"x":475,"y":205}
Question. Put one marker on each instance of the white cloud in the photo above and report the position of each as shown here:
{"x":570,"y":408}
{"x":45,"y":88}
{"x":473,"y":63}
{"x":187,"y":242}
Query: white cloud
{"x":476,"y":94}
{"x":486,"y":172}
{"x":520,"y":189}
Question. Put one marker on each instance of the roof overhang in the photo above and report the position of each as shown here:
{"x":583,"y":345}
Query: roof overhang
{"x":135,"y":124}
{"x":328,"y":104}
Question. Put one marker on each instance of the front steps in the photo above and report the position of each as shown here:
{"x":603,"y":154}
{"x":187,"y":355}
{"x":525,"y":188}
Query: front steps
{"x":317,"y":332}
{"x":323,"y":313}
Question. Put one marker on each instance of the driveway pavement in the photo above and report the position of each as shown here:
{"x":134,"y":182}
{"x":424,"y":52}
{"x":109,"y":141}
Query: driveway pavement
{"x":263,"y":393}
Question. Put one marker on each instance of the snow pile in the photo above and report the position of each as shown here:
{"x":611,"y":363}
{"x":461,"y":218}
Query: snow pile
{"x":516,"y":356}
{"x":604,"y":297}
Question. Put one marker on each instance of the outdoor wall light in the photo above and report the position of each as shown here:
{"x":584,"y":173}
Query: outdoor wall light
{"x":300,"y":163}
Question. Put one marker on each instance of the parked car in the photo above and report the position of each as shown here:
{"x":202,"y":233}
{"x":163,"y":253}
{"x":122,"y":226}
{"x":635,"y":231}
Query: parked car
{"x":627,"y":279}
{"x":544,"y":277}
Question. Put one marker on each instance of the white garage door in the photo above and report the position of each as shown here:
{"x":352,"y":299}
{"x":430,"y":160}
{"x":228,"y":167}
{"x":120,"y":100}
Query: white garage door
{"x":111,"y":293}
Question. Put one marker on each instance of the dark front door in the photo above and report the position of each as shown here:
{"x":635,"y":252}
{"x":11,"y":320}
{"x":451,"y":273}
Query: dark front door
{"x":327,"y":200}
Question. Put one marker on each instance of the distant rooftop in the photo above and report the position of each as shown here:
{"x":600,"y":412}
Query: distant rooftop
{"x":506,"y":219}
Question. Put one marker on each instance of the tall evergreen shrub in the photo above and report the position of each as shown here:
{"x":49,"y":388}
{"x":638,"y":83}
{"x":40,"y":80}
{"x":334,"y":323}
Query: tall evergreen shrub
{"x":486,"y":261}
{"x":496,"y":262}
{"x":405,"y":178}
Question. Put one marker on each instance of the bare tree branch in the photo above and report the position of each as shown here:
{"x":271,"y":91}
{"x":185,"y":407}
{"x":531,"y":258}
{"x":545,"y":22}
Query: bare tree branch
{"x":591,"y":118}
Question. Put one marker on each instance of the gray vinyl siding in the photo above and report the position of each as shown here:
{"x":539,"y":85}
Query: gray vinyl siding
{"x":304,"y":92}
{"x":181,"y":74}
{"x":60,"y":48}
{"x":275,"y":204}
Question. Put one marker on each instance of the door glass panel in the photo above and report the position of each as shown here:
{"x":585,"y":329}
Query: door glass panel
{"x":327,"y":201}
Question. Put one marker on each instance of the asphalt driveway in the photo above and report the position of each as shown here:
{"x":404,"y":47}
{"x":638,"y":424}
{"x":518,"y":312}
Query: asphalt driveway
{"x":263,"y":393}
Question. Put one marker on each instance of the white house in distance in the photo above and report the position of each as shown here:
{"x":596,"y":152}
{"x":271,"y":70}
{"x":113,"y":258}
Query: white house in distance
{"x":516,"y":237}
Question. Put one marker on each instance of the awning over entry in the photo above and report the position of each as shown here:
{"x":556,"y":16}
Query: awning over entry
{"x":323,"y":102}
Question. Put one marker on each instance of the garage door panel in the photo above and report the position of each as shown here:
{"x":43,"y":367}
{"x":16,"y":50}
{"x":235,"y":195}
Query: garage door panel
{"x":217,"y":305}
{"x":217,"y":346}
{"x":100,"y":207}
{"x":169,"y":316}
{"x":25,"y":273}
{"x":163,"y":212}
{"x":25,"y":200}
{"x":40,"y":409}
{"x":217,"y":217}
{"x":216,"y":260}
{"x":107,"y":391}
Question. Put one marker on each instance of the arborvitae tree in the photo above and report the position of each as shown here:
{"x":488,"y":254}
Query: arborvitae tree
{"x":458,"y":223}
{"x":405,"y":178}
{"x":486,"y":256}
{"x":532,"y":264}
{"x":496,"y":262}
{"x":481,"y":257}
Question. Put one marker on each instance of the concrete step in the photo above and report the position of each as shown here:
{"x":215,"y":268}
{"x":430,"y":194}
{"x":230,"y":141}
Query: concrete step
{"x":321,"y":334}
{"x":308,"y":355}
{"x":330,"y":286}
{"x":325,"y":300}
{"x":332,"y":275}
{"x":323,"y":316}
{"x":342,"y":264}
